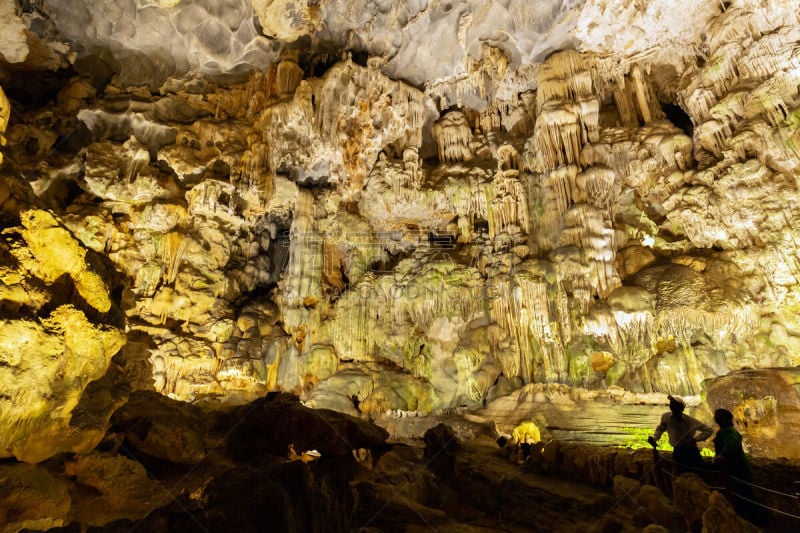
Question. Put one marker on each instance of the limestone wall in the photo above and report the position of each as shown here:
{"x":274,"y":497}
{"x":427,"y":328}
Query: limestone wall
{"x":374,"y":245}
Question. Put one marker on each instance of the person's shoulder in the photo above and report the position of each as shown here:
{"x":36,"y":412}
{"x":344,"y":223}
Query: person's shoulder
{"x":729,"y":433}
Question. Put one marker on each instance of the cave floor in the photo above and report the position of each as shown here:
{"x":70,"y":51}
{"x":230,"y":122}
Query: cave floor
{"x":489,"y":492}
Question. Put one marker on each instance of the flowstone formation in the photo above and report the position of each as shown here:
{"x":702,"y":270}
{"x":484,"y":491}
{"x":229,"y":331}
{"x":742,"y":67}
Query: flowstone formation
{"x":287,"y":211}
{"x":57,"y":336}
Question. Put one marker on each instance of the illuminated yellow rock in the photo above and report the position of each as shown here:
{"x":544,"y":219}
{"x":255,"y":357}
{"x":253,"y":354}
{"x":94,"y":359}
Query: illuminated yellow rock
{"x":602,"y":361}
{"x":54,"y":252}
{"x":5,"y":112}
{"x":53,"y":362}
{"x":46,"y":366}
{"x":16,"y":288}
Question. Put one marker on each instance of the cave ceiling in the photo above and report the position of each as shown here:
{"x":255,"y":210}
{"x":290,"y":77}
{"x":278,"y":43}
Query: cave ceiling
{"x":389,"y":206}
{"x":426,"y":44}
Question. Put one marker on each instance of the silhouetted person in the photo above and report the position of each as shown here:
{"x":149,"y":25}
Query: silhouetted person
{"x":730,"y":458}
{"x":684,"y":433}
{"x":728,"y":447}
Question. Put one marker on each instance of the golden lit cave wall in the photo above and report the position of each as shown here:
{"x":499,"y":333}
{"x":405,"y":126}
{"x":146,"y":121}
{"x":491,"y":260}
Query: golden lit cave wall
{"x":578,"y":282}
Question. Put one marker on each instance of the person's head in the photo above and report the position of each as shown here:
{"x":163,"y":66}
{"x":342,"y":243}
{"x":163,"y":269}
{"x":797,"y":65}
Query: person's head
{"x":723,"y":418}
{"x":676,"y":405}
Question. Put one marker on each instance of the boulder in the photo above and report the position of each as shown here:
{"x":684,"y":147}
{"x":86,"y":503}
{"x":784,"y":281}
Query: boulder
{"x":280,"y":496}
{"x":269,"y":425}
{"x":721,"y":518}
{"x":655,"y":528}
{"x":635,"y":463}
{"x":609,"y":524}
{"x":119,"y":488}
{"x":31,"y":498}
{"x":396,"y":508}
{"x":765,"y":404}
{"x":690,"y":495}
{"x":626,"y":491}
{"x":585,"y":461}
{"x":659,"y":509}
{"x":552,"y":455}
{"x":163,"y":428}
{"x":441,"y":447}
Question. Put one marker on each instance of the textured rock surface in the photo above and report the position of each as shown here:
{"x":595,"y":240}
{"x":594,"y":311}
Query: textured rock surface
{"x":616,"y":214}
{"x":321,"y":228}
{"x":272,"y":425}
{"x":534,"y":211}
{"x":121,"y":487}
{"x":720,"y":516}
{"x":112,"y":487}
{"x":448,"y":483}
{"x":31,"y":498}
{"x":56,"y":338}
{"x":765,"y":406}
{"x":163,"y":428}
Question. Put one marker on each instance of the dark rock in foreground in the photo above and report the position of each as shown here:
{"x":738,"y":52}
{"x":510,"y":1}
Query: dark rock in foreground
{"x":271,"y":425}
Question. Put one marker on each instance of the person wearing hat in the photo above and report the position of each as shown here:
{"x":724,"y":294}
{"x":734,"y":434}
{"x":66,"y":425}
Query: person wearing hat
{"x":684,"y":433}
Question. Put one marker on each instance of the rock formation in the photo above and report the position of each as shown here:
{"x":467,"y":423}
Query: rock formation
{"x":389,"y":208}
{"x":764,"y":404}
{"x":278,"y":231}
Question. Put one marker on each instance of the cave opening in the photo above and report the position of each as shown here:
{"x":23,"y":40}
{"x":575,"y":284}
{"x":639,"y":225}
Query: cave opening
{"x":678,"y":117}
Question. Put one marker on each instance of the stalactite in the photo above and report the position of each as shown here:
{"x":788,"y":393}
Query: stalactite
{"x":699,"y":103}
{"x":775,"y":99}
{"x":340,"y":123}
{"x":567,"y":112}
{"x":453,"y":137}
{"x":600,"y":186}
{"x":623,"y":99}
{"x":173,"y":248}
{"x":556,"y":138}
{"x":380,"y":307}
{"x":288,"y":75}
{"x":732,"y":26}
{"x":721,"y":74}
{"x":506,"y":205}
{"x":301,"y":285}
{"x":730,"y":109}
{"x":390,"y":258}
{"x":770,"y":54}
